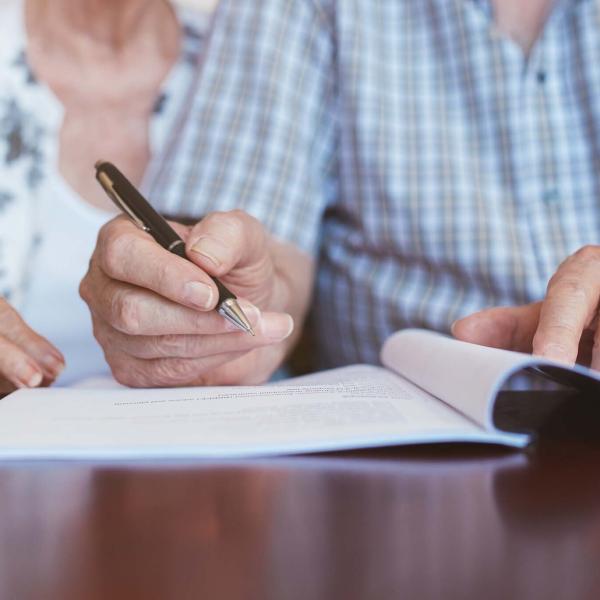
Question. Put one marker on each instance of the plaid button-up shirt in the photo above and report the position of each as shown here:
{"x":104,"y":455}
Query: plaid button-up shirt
{"x":432,"y":166}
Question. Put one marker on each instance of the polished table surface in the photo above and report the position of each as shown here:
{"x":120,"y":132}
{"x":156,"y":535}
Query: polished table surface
{"x":433,"y":522}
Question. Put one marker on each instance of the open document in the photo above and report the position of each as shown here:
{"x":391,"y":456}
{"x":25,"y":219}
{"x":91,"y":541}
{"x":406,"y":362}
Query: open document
{"x":430,"y":389}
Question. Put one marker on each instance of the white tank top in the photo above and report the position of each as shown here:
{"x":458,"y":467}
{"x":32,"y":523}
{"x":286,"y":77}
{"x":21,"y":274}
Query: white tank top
{"x":52,"y":306}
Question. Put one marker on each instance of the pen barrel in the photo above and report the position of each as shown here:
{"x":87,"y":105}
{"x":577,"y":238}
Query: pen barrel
{"x":131,"y":202}
{"x":224,"y":293}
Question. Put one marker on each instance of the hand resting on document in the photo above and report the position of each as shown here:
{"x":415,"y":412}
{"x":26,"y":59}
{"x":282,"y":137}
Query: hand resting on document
{"x":562,"y":327}
{"x":27,"y":360}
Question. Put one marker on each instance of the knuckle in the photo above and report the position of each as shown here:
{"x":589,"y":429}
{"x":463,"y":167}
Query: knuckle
{"x":560,"y":330}
{"x":167,"y":372}
{"x":589,"y":252}
{"x":198,"y":322}
{"x":244,"y":225}
{"x":128,"y":377}
{"x":240,"y":219}
{"x":164,"y":271}
{"x":192,"y":346}
{"x":125,"y":313}
{"x":103,"y":234}
{"x":108,"y":338}
{"x":127,"y":372}
{"x":107,"y":234}
{"x":84,"y":290}
{"x":86,"y":286}
{"x":121,"y":374}
{"x":114,"y":251}
{"x":121,"y":370}
{"x":553,"y":280}
{"x":216,"y":216}
{"x":573,"y":290}
{"x":169,"y":345}
{"x":229,"y":223}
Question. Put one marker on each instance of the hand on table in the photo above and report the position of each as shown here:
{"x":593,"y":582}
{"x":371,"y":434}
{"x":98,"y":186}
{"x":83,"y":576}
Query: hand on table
{"x":153,"y":312}
{"x":563,"y":327}
{"x":27,"y":360}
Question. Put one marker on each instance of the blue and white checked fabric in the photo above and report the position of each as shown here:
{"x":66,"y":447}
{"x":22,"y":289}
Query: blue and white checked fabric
{"x":433,"y":168}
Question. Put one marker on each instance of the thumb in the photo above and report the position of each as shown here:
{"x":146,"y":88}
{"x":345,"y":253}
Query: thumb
{"x":223,"y":241}
{"x":509,"y":328}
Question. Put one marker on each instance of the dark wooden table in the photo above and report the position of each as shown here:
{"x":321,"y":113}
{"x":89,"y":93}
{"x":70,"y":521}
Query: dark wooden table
{"x":439,"y":522}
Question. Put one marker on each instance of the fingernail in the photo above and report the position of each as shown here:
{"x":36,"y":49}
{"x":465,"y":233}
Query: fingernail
{"x":453,"y":327}
{"x":28,"y":376}
{"x":252,"y":312}
{"x":276,"y":326}
{"x":209,"y":249}
{"x":199,"y":294}
{"x":54,"y":364}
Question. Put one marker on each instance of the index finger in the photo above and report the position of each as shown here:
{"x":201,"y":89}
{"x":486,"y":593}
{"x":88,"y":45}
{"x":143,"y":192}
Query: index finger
{"x":569,"y":307}
{"x":127,"y":254}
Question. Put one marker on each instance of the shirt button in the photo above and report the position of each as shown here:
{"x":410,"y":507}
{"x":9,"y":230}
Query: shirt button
{"x":550,"y":196}
{"x":541,"y":77}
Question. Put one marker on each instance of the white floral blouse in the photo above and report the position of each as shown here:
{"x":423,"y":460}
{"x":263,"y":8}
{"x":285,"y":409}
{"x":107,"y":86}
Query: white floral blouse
{"x":30,"y":121}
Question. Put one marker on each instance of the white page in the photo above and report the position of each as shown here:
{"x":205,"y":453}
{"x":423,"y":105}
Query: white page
{"x":466,"y":376}
{"x":366,"y":407}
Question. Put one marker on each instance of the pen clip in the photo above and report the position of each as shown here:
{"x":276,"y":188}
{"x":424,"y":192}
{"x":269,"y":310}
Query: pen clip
{"x":107,"y":184}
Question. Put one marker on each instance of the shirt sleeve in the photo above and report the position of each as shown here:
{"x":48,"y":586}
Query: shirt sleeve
{"x":260,"y":132}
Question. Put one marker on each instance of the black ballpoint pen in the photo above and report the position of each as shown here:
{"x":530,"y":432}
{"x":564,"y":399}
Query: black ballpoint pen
{"x":129,"y":200}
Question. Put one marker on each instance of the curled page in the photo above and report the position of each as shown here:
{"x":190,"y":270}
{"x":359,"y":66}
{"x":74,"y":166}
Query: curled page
{"x":467,"y":376}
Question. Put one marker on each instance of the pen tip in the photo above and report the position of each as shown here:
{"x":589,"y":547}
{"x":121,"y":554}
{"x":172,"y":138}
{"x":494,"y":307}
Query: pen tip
{"x":232,"y":311}
{"x":99,"y":163}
